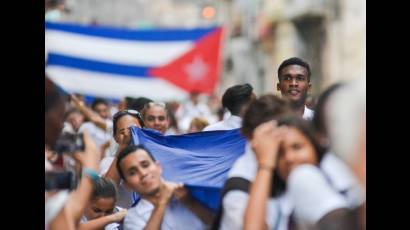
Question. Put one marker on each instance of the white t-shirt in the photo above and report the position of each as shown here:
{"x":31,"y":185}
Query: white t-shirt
{"x":98,"y":135}
{"x":232,"y":122}
{"x":176,"y":217}
{"x":171,"y":131}
{"x":235,"y":201}
{"x":245,"y":166}
{"x":312,"y":195}
{"x":189,"y":111}
{"x":110,"y":152}
{"x":278,"y":211}
{"x":343,"y":180}
{"x":54,"y":204}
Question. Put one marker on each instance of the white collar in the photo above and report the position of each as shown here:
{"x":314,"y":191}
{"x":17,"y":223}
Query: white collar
{"x":144,"y":206}
{"x":235,"y":118}
{"x":307,"y":113}
{"x":307,"y":110}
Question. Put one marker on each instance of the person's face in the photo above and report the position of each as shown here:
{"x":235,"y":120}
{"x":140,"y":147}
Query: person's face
{"x":75,"y":119}
{"x":141,"y":173}
{"x":294,"y":83}
{"x":156,"y":118}
{"x":123,"y":133}
{"x":102,"y":110}
{"x":100,"y":207}
{"x":54,"y":123}
{"x":295,"y":150}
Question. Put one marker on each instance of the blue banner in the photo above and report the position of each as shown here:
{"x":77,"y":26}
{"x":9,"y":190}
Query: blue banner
{"x":199,"y":160}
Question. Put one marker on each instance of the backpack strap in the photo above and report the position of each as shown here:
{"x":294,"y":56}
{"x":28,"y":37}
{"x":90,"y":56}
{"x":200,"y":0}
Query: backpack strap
{"x":233,"y":183}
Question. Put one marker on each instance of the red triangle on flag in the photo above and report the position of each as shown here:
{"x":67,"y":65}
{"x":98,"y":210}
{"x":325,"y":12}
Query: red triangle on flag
{"x":198,"y":69}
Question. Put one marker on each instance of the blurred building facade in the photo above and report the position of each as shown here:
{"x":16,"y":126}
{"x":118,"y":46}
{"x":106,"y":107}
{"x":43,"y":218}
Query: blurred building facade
{"x":259,"y":34}
{"x":330,"y":34}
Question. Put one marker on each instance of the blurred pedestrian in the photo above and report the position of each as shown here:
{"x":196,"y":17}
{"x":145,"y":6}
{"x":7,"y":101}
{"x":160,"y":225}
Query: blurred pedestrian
{"x":73,"y":121}
{"x":63,"y":209}
{"x":235,"y":99}
{"x":155,"y":116}
{"x":197,"y":125}
{"x":346,"y":122}
{"x":193,"y":108}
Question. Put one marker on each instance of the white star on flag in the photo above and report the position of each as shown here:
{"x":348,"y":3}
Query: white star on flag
{"x":197,"y":69}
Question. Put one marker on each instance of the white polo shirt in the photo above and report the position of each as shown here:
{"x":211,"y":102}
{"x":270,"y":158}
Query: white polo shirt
{"x":232,"y":122}
{"x":343,"y":180}
{"x":176,"y":217}
{"x":98,"y":135}
{"x":312,"y":195}
{"x":278,"y":211}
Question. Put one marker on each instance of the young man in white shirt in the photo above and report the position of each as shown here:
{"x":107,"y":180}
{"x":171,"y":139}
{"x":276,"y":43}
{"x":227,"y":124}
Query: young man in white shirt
{"x":157,"y":209}
{"x":294,"y":84}
{"x":235,"y":100}
{"x":191,"y":109}
{"x":346,"y":123}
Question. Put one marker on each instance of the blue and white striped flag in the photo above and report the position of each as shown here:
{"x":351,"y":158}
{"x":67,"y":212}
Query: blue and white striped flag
{"x":160,"y":64}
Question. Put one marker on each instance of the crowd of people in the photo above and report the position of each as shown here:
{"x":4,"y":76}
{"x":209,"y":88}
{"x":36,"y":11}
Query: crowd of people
{"x":302,"y":168}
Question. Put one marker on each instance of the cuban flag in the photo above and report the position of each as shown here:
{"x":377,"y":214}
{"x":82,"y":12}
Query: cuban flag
{"x":161,"y":64}
{"x":199,"y":160}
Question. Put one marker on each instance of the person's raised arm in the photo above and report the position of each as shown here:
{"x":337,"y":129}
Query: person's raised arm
{"x":112,"y":172}
{"x":79,"y":198}
{"x":160,"y":203}
{"x":63,"y":221}
{"x":89,"y":113}
{"x":183,"y":195}
{"x":124,"y":141}
{"x":265,"y":143}
{"x":101,"y":222}
{"x":70,"y":215}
